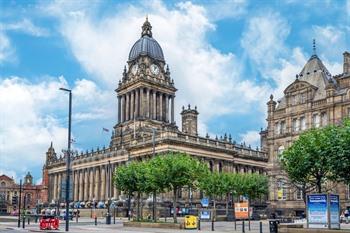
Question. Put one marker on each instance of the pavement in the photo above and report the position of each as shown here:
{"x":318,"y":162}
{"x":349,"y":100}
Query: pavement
{"x":87,"y":225}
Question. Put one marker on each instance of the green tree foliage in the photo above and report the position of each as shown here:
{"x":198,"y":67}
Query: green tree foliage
{"x":319,"y":155}
{"x":181,"y":170}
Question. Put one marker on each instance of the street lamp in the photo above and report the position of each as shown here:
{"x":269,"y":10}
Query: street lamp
{"x":153,"y":154}
{"x":108,"y":216}
{"x":68,"y":155}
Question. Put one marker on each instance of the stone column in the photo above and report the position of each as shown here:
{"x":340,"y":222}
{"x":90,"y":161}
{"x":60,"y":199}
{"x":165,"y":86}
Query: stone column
{"x":154,"y":105}
{"x":167,"y":108}
{"x":81,"y":185}
{"x":76,"y":186}
{"x":161,"y":106}
{"x":59,"y":186}
{"x":137,"y":103}
{"x":103,"y":183}
{"x":132,"y":106}
{"x":91,"y":185}
{"x":127,"y":116}
{"x":115,"y":194}
{"x":54,"y":196}
{"x":119,"y":109}
{"x":122,"y":110}
{"x":86,"y":185}
{"x":172,"y":109}
{"x":148,"y":103}
{"x":142,"y":106}
{"x":97,"y":183}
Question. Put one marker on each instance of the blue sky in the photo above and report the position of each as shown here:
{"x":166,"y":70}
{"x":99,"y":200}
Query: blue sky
{"x":225,"y":56}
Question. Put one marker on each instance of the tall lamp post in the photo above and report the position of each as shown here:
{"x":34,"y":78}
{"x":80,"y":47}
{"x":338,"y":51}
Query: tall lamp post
{"x":108,"y":216}
{"x":68,"y":156}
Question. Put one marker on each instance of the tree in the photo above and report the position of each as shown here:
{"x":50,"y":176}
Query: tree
{"x":181,"y":170}
{"x":131,"y":178}
{"x":214,"y":185}
{"x":308,"y":161}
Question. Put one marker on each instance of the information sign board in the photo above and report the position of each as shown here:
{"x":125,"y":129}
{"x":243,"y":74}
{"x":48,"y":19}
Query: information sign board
{"x":334,"y":208}
{"x":241,"y":210}
{"x":205,"y":214}
{"x":317,"y":211}
{"x":205,"y":202}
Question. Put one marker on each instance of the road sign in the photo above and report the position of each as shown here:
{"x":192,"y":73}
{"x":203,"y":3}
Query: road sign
{"x":205,"y":202}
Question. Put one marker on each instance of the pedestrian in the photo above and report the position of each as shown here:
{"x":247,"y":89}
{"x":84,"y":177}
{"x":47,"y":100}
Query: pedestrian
{"x":346,"y":215}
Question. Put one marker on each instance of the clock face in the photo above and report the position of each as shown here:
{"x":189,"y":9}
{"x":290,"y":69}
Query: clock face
{"x":134,"y":69}
{"x":154,"y":69}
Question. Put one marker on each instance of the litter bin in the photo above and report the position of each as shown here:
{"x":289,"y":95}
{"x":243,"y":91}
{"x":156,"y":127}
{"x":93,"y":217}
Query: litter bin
{"x":190,"y":222}
{"x":273,"y":226}
{"x":108,"y":218}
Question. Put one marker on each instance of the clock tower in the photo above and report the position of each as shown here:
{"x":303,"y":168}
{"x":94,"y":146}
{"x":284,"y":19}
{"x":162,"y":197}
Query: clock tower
{"x":145,"y":92}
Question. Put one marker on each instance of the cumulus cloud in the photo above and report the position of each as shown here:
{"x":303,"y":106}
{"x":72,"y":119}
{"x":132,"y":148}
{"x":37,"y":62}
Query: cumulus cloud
{"x":204,"y":76}
{"x":264,"y":40}
{"x":251,"y":138}
{"x":29,"y":119}
{"x":25,"y":26}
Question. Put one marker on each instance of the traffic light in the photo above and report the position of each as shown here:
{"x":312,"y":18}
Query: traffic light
{"x":14,"y":200}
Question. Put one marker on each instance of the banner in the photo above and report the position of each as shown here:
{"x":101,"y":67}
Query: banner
{"x":317,"y":211}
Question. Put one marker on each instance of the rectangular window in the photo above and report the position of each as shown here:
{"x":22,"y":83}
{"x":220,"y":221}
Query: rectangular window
{"x":302,"y":123}
{"x":303,"y":98}
{"x":283,"y":127}
{"x":281,"y":191}
{"x":348,"y":112}
{"x":299,"y":194}
{"x":295,"y":125}
{"x":316,"y":120}
{"x":324,"y":119}
{"x":277,"y":128}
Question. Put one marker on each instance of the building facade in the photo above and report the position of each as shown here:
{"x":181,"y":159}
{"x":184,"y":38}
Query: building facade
{"x":146,"y":95}
{"x":31,"y":196}
{"x":314,"y":99}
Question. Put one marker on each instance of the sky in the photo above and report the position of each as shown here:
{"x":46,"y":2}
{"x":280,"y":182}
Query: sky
{"x":225,"y":56}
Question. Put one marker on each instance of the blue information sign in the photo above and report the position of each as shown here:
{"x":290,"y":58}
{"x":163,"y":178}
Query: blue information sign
{"x":334,"y":211}
{"x":205,"y":202}
{"x":317,"y":211}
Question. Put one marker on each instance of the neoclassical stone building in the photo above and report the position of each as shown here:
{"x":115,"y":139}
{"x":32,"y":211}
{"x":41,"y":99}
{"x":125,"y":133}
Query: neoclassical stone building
{"x":314,"y":99}
{"x":146,"y":96}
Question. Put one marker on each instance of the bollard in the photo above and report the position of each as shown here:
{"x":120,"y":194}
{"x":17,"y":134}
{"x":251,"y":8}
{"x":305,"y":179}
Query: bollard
{"x":260,"y":227}
{"x":36,"y":218}
{"x":23,"y":222}
{"x":212,"y":225}
{"x":199,"y":224}
{"x":28,"y":220}
{"x":235,"y":225}
{"x":249,"y":224}
{"x":243,"y":228}
{"x":95,"y":221}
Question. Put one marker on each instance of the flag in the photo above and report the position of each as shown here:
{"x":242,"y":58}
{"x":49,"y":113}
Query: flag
{"x":104,"y":129}
{"x":73,"y":140}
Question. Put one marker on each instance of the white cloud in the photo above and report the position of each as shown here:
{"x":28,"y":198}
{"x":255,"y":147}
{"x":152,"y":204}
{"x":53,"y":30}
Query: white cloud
{"x":29,"y":120}
{"x":226,"y":9}
{"x":25,"y":26}
{"x":206,"y":77}
{"x":263,"y":40}
{"x":6,"y":50}
{"x":251,"y":138}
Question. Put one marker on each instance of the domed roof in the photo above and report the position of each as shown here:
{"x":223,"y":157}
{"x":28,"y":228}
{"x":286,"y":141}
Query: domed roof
{"x":146,"y":45}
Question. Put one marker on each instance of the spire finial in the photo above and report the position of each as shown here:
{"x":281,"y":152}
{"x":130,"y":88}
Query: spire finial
{"x":146,"y":28}
{"x":314,"y":46}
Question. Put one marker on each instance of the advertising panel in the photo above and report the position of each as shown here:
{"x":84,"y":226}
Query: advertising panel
{"x":241,"y":210}
{"x":317,"y":211}
{"x":205,"y":214}
{"x":334,"y":211}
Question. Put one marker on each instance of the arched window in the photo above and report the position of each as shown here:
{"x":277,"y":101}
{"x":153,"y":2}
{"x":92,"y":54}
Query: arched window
{"x":220,"y":167}
{"x":211,"y":166}
{"x":3,"y":184}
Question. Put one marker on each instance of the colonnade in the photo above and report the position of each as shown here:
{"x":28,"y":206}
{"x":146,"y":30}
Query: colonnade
{"x":146,"y":103}
{"x":89,"y":184}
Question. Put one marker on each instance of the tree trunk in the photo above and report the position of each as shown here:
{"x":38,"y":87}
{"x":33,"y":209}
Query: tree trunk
{"x":154,"y":206}
{"x":318,"y":184}
{"x":138,"y":206}
{"x":227,"y":200}
{"x":174,"y":205}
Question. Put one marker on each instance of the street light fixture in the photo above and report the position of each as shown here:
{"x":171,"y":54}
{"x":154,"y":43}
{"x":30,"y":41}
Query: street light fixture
{"x":68,"y":155}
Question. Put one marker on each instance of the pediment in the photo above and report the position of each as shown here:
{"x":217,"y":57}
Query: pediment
{"x":298,"y":85}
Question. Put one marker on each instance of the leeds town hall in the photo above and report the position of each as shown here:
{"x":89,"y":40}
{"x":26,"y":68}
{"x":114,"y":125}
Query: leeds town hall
{"x":146,"y":96}
{"x":146,"y":126}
